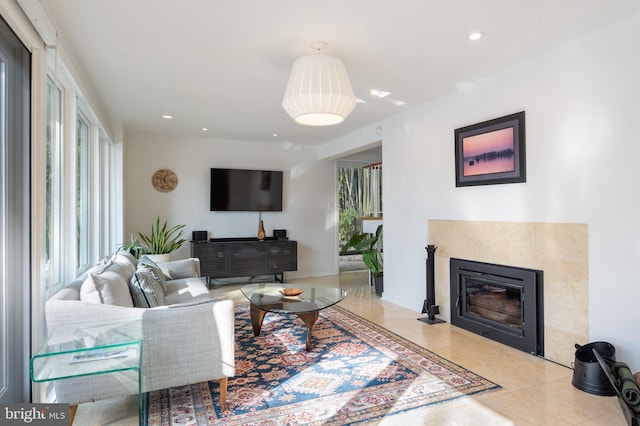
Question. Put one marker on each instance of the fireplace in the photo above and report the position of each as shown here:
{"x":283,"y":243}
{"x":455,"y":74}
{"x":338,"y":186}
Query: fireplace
{"x":502,"y":303}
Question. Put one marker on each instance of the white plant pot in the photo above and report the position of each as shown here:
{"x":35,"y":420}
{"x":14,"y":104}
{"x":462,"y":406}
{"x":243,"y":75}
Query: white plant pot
{"x":165,"y":257}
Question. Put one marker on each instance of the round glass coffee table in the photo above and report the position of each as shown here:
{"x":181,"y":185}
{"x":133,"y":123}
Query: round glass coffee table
{"x":267,"y":297}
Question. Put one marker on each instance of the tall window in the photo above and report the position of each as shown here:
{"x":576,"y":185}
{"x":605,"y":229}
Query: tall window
{"x":82,"y":193}
{"x":103,"y":226}
{"x":53,"y":195}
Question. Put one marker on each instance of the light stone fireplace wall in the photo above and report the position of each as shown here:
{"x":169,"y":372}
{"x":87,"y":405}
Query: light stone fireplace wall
{"x":560,"y":250}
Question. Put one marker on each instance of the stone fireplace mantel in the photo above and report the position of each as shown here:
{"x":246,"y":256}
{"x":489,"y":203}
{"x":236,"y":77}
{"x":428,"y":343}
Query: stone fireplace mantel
{"x":558,"y":249}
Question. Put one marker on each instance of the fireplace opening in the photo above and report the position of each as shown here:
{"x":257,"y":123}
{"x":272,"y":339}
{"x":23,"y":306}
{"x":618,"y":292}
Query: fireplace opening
{"x":502,"y":303}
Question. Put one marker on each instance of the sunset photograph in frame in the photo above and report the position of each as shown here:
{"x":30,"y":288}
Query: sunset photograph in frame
{"x":491,"y":152}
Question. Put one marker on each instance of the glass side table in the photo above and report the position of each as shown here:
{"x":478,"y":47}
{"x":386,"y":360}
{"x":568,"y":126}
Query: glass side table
{"x":89,"y":349}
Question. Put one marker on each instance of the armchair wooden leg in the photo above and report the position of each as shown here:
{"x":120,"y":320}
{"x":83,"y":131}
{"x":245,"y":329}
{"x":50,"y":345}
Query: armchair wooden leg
{"x":72,"y":413}
{"x":223,"y":393}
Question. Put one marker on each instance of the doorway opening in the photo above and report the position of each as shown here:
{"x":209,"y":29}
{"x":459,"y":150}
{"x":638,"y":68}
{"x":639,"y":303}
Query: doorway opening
{"x":359,"y":202}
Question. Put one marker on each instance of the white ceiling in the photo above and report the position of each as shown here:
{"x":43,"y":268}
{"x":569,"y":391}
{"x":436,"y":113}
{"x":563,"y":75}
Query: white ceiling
{"x":224,"y":65}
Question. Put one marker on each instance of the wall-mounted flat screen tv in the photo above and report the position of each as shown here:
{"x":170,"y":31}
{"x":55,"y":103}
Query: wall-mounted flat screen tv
{"x":246,"y":190}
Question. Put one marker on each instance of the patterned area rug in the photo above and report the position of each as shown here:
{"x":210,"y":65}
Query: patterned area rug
{"x":356,"y":372}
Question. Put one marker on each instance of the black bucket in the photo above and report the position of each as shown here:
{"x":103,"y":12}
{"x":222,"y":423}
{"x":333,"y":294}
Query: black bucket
{"x":587,"y":373}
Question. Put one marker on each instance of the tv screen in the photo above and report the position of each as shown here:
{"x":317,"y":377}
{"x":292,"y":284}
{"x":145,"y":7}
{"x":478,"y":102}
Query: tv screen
{"x":246,"y":190}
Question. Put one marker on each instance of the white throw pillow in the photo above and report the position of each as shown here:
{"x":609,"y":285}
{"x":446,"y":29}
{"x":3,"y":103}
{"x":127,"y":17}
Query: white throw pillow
{"x":127,"y":263}
{"x":108,"y":288}
{"x":100,"y":267}
{"x":123,"y":269}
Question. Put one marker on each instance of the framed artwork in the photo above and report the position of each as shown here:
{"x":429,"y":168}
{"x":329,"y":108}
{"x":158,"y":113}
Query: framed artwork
{"x":491,"y":152}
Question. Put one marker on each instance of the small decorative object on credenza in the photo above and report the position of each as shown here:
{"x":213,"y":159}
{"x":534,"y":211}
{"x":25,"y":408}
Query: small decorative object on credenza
{"x":199,"y":235}
{"x":280,"y":234}
{"x":261,"y":233}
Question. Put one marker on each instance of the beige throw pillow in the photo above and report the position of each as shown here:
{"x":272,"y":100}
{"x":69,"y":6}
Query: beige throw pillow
{"x":108,"y":288}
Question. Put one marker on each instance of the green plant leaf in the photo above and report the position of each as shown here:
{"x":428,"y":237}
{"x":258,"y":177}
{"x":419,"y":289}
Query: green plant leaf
{"x":370,"y":247}
{"x":162,"y":240}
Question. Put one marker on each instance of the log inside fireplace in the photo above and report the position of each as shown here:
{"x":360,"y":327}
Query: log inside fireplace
{"x":500,"y":302}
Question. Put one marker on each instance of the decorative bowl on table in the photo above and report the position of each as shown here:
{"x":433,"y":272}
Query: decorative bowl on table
{"x":291,"y":291}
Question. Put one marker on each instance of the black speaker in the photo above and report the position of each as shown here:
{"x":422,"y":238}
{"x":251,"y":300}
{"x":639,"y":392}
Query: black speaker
{"x":199,"y":235}
{"x":280,"y":234}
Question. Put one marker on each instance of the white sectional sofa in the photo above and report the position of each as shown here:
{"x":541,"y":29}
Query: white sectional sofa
{"x":187,"y":338}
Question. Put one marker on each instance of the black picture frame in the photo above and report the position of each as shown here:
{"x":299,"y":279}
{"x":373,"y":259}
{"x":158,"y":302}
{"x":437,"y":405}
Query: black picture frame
{"x":491,"y":152}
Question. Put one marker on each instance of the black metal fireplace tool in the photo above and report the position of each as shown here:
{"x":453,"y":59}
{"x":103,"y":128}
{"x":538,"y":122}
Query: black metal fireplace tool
{"x":429,"y":306}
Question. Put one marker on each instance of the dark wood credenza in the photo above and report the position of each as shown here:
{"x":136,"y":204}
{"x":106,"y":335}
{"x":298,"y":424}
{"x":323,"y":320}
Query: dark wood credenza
{"x":245,"y":257}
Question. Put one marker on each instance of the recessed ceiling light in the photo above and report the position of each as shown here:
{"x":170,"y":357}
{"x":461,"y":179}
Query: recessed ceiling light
{"x":167,"y":117}
{"x":275,"y":135}
{"x":379,"y":93}
{"x":476,"y":36}
{"x":204,"y":129}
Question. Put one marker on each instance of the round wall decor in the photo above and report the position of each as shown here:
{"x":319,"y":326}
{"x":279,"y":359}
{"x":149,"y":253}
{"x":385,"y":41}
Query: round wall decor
{"x":164,"y":180}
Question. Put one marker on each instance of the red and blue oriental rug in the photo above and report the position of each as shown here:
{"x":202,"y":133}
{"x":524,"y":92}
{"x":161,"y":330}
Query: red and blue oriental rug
{"x":356,"y":372}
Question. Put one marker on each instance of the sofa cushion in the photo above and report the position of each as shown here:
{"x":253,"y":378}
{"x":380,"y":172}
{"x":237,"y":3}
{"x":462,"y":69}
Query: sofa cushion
{"x":109,"y":288}
{"x":196,"y":302}
{"x":186,"y":290}
{"x":146,"y":291}
{"x":126,"y":260}
{"x":123,"y":269}
{"x":184,"y":268}
{"x":145,"y":259}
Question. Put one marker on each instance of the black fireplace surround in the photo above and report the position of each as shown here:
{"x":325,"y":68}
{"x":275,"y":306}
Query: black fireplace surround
{"x":502,"y":303}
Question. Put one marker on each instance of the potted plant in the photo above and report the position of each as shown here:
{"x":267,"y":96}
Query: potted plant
{"x":133,"y":247}
{"x":162,"y":240}
{"x":371,"y":247}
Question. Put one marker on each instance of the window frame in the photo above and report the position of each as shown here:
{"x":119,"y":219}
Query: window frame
{"x":53,"y":188}
{"x":82,"y":193}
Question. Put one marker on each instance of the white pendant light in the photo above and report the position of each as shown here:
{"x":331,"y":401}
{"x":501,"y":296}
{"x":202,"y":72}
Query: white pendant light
{"x":319,"y":92}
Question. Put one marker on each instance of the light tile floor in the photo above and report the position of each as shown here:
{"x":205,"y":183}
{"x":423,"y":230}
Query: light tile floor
{"x":534,"y":391}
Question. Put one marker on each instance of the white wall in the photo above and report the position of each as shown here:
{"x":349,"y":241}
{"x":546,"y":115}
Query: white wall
{"x":582,"y":104}
{"x":309,"y":194}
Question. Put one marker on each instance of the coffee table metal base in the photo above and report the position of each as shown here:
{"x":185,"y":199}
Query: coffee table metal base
{"x":257,"y":317}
